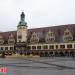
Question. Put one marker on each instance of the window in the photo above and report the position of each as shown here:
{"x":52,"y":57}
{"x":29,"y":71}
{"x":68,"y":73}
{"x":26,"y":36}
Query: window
{"x":62,"y":46}
{"x":19,"y":40}
{"x":6,"y":48}
{"x":50,"y":34}
{"x":33,"y":47}
{"x":69,"y":46}
{"x":11,"y":41}
{"x":34,"y":36}
{"x":56,"y":46}
{"x":66,"y":33}
{"x":68,"y":38}
{"x":45,"y":47}
{"x":51,"y":47}
{"x":28,"y":47}
{"x":11,"y":48}
{"x":34,"y":40}
{"x":38,"y":47}
{"x":11,"y":38}
{"x":50,"y":39}
{"x":1,"y":48}
{"x":19,"y":37}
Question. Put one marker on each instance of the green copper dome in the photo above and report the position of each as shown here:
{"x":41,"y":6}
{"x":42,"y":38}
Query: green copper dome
{"x":22,"y":20}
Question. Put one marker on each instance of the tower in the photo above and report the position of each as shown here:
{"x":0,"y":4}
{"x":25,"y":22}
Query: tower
{"x":22,"y":29}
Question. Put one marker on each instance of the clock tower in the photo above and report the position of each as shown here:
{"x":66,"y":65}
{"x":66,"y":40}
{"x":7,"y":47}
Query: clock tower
{"x":22,"y":29}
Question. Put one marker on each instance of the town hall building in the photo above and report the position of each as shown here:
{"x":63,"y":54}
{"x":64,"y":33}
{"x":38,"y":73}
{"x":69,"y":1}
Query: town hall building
{"x":45,"y":41}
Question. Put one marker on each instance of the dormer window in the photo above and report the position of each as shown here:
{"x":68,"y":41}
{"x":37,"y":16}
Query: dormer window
{"x":11,"y":39}
{"x":50,"y":37}
{"x":50,"y":34}
{"x":67,"y":35}
{"x":34,"y":38}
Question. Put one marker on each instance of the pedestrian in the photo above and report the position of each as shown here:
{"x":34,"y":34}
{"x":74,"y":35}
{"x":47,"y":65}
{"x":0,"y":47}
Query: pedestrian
{"x":73,"y":56}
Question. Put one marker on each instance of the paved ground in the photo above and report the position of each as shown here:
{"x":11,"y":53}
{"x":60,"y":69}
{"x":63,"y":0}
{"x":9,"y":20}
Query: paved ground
{"x":39,"y":66}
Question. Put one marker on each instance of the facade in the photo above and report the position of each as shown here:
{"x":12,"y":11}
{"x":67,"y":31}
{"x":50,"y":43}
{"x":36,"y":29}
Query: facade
{"x":45,"y":41}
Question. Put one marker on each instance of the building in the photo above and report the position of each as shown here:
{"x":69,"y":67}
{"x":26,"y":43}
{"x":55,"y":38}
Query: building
{"x":45,"y":41}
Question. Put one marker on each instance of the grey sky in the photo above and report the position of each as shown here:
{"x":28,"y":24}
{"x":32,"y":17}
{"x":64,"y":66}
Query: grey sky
{"x":39,"y":13}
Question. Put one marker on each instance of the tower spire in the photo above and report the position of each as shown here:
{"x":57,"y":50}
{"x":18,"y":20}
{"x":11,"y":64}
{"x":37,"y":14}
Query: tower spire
{"x":22,"y":16}
{"x":22,"y":19}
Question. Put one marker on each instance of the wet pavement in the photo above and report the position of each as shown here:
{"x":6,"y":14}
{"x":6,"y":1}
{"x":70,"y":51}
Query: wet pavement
{"x":39,"y":66}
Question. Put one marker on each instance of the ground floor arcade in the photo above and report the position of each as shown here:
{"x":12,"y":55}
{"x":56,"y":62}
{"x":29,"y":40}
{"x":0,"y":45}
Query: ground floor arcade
{"x":49,"y":53}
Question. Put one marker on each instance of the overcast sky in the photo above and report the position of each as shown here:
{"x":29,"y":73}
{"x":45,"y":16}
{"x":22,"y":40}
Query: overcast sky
{"x":39,"y":13}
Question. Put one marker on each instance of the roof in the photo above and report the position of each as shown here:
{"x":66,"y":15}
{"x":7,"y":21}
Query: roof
{"x":57,"y":30}
{"x":6,"y":35}
{"x":41,"y":32}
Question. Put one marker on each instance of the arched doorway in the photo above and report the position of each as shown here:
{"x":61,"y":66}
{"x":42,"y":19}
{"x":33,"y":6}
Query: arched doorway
{"x":28,"y":53}
{"x":33,"y":53}
{"x":37,"y":53}
{"x":56,"y":54}
{"x":50,"y":53}
{"x":61,"y":54}
{"x":25,"y":53}
{"x":41,"y":54}
{"x":66,"y":53}
{"x":46,"y":54}
{"x":72,"y":53}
